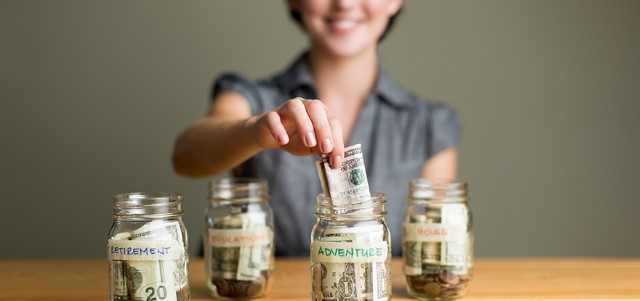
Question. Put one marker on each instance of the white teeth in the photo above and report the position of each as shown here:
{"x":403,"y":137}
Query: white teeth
{"x":345,"y":24}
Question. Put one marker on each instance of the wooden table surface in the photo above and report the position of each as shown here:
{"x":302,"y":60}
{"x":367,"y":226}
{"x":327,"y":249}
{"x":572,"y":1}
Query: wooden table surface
{"x":494,"y":278}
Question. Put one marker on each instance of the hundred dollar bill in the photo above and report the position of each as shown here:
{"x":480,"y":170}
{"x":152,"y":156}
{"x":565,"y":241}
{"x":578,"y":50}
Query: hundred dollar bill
{"x":349,"y":182}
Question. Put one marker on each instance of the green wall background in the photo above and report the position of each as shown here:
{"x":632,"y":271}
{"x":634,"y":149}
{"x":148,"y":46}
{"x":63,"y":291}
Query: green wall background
{"x":94,"y":92}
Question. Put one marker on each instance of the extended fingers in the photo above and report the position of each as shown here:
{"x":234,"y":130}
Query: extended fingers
{"x":319,"y":118}
{"x":274,"y":123}
{"x":302,"y":121}
{"x":337,"y":153}
{"x":319,"y":131}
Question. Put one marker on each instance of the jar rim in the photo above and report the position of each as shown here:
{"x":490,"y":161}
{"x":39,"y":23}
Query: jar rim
{"x":323,"y":198}
{"x":147,"y":204}
{"x":238,"y":190}
{"x":345,"y":208}
{"x":160,"y":198}
{"x":437,"y":190}
{"x":228,"y":182}
{"x":438,"y":183}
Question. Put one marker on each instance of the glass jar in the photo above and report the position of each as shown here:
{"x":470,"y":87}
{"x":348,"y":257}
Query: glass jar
{"x":239,"y":246}
{"x":147,"y":248}
{"x":350,"y":250}
{"x":437,"y":240}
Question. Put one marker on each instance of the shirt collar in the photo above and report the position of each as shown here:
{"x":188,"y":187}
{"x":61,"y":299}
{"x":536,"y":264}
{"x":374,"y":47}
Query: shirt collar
{"x":390,"y":91}
{"x":298,"y":76}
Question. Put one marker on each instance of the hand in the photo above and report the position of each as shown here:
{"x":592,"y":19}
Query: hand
{"x":301,"y":127}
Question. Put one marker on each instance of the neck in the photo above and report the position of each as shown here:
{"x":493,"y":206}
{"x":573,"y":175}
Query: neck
{"x":344,"y":78}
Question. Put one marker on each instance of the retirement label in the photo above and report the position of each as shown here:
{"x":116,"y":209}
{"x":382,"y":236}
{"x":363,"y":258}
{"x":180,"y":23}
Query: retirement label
{"x":322,"y":251}
{"x":143,"y":250}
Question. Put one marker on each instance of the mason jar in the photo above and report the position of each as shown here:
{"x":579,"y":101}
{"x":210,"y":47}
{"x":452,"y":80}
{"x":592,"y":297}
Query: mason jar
{"x":350,"y":250}
{"x":239,"y":245}
{"x":437,"y":240}
{"x":147,"y":249}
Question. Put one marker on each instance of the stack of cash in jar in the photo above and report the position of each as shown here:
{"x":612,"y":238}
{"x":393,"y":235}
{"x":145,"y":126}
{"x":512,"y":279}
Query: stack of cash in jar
{"x":150,"y":263}
{"x":348,"y":186}
{"x":435,"y":266}
{"x":240,"y":254}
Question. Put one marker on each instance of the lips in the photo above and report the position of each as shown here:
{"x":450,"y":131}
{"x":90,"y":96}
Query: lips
{"x":342,"y":26}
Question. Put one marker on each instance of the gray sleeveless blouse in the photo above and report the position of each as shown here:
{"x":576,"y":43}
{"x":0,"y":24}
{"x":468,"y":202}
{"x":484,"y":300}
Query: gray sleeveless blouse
{"x":398,"y":132}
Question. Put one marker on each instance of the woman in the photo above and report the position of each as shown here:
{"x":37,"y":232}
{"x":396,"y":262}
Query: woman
{"x":336,"y":92}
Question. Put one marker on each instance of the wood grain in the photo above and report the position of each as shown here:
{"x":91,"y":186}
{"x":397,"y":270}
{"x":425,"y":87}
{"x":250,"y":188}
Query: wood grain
{"x":494,"y":278}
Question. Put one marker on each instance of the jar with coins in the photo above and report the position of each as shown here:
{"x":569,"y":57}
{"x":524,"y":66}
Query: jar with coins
{"x":239,"y":245}
{"x":437,"y":240}
{"x":147,"y":249}
{"x":350,"y":249}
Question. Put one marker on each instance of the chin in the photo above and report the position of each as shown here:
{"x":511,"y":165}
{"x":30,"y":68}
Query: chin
{"x":348,"y":49}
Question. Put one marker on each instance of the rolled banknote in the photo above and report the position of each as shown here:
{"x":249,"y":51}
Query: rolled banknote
{"x":347,"y":182}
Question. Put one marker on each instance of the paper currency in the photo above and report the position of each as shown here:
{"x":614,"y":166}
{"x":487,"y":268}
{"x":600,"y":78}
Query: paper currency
{"x":438,"y":268}
{"x":359,"y":280}
{"x":454,"y":253}
{"x":413,"y":249}
{"x":119,"y":285}
{"x":240,"y":258}
{"x":252,"y":259}
{"x":349,"y":191}
{"x":341,"y":280}
{"x":347,"y":182}
{"x":167,"y":230}
{"x":151,"y":279}
{"x":140,"y":278}
{"x":161,"y":279}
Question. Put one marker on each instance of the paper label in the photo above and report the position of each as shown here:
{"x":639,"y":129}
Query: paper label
{"x":433,"y":232}
{"x":144,"y":250}
{"x":322,"y":251}
{"x":240,"y":237}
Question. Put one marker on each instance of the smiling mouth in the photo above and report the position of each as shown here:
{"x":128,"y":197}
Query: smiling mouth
{"x":342,"y":26}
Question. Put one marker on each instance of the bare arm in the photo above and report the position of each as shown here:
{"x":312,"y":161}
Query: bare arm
{"x":218,"y":142}
{"x":229,"y":135}
{"x":441,"y":166}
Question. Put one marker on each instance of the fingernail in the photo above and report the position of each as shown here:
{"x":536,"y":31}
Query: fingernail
{"x":326,"y":145}
{"x":336,"y":162}
{"x":310,"y":139}
{"x":282,"y":138}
